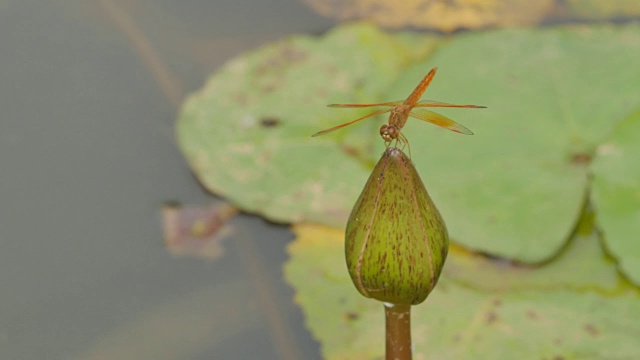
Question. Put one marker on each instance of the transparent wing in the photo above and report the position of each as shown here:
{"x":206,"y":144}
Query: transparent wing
{"x":440,"y":120}
{"x":381,"y":111}
{"x":392,"y":103}
{"x":432,"y":103}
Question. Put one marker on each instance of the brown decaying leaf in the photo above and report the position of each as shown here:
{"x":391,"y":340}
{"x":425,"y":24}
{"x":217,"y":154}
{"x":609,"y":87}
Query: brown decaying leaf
{"x":436,"y":14}
{"x":197,"y":230}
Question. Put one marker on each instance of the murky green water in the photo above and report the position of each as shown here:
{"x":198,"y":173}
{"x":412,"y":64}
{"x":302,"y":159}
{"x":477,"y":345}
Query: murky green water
{"x":89,"y":93}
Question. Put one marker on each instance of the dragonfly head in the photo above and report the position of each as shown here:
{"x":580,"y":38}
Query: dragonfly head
{"x":388,"y":132}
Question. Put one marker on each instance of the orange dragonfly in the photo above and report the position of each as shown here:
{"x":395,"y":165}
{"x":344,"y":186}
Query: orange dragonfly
{"x":401,"y":110}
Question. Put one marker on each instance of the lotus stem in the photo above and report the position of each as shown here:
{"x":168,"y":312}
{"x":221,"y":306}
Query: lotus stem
{"x":398,"y":331}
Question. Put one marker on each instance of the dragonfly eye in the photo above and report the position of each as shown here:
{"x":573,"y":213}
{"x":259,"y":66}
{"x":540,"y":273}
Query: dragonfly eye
{"x":388,"y":132}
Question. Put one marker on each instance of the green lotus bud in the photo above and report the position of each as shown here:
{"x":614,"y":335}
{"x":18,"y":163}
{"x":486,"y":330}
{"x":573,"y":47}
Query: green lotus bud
{"x":396,"y":240}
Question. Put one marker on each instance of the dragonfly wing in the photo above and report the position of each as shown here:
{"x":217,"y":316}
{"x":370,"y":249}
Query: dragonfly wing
{"x":392,"y":103}
{"x":440,"y":120}
{"x":432,"y":103}
{"x":381,"y":111}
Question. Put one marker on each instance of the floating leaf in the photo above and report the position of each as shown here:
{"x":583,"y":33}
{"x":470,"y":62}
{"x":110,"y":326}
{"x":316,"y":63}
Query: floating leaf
{"x":579,"y":266}
{"x":566,"y":317}
{"x":518,"y":186}
{"x":197,"y":230}
{"x":616,"y":194}
{"x":600,"y":9}
{"x":442,"y":15}
{"x":515,"y":189}
{"x":453,"y":15}
{"x":246,"y":134}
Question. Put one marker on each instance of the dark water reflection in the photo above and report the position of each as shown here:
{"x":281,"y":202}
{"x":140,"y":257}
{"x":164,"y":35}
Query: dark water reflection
{"x":89,"y":91}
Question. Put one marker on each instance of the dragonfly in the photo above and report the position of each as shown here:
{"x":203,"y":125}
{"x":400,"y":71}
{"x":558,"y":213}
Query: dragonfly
{"x":400,"y":111}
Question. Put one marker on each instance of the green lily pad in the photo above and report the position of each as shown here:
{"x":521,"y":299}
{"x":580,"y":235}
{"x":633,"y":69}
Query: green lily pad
{"x":601,"y":9}
{"x":616,"y":195}
{"x":515,"y":189}
{"x":580,"y":316}
{"x":247,"y":133}
{"x":580,"y":266}
{"x":518,"y":186}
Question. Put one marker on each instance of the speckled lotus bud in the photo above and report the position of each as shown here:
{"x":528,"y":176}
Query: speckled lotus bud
{"x":396,"y":240}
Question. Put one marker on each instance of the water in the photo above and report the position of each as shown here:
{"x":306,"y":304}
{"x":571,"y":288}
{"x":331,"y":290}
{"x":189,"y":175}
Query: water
{"x":89,"y":92}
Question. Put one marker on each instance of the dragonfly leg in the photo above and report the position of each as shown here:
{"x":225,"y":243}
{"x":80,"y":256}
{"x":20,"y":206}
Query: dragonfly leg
{"x":405,"y":142}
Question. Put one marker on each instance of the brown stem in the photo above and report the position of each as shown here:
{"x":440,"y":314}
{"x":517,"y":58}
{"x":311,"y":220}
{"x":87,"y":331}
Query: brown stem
{"x":398,"y":331}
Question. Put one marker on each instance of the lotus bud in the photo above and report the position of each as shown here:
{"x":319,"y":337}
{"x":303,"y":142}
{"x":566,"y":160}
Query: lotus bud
{"x":396,"y":240}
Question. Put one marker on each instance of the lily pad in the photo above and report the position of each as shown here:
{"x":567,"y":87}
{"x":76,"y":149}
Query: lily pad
{"x":616,"y":195}
{"x":579,"y":266}
{"x":197,"y":230}
{"x":441,"y":15}
{"x":518,"y":186}
{"x":515,"y":189}
{"x":465,"y":319}
{"x":600,"y":9}
{"x":472,"y":14}
{"x":247,"y":133}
